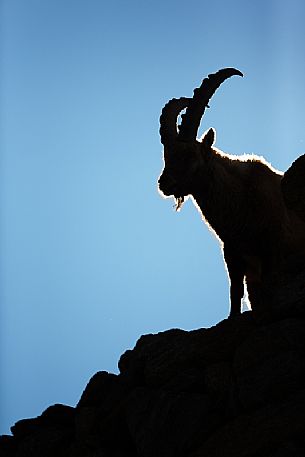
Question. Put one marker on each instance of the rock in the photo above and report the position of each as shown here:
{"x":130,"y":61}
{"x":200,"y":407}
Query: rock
{"x":236,"y":389}
{"x":162,"y":423}
{"x":265,"y":432}
{"x":47,"y":441}
{"x":55,"y":426}
{"x":100,"y":391}
{"x":158,"y":359}
{"x":8,"y":445}
{"x":276,"y":368}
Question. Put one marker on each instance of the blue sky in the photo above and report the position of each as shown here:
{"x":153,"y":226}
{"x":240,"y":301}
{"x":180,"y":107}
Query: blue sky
{"x":91,"y":256}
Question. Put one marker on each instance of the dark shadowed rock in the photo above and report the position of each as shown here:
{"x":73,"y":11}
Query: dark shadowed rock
{"x":49,"y":434}
{"x":269,"y":365}
{"x":174,"y":421}
{"x":56,"y":415}
{"x":265,"y":432}
{"x":236,"y":389}
{"x":159,"y":359}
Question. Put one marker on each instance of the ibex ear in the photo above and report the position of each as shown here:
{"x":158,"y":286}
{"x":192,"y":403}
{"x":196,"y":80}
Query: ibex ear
{"x":208,"y":138}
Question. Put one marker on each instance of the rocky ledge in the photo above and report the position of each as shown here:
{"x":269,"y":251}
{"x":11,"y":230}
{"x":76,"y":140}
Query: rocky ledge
{"x":236,"y":389}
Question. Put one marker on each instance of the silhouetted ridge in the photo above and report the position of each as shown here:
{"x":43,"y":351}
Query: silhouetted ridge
{"x":236,"y":389}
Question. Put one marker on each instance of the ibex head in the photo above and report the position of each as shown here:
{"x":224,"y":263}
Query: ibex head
{"x":183,"y":153}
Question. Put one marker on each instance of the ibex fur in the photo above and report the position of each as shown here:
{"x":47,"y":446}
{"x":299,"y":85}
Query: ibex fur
{"x":251,"y":207}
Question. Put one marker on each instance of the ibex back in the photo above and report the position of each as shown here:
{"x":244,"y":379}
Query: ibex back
{"x":254,"y":209}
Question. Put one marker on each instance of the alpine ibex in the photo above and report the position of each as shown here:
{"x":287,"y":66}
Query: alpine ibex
{"x":257,"y":212}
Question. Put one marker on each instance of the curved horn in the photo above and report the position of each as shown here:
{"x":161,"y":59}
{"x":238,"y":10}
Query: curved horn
{"x":195,"y":110}
{"x":168,"y":119}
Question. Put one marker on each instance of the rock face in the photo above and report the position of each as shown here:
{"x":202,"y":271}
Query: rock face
{"x":236,"y":389}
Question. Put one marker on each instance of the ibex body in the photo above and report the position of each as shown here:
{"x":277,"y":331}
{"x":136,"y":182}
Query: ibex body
{"x":243,"y":199}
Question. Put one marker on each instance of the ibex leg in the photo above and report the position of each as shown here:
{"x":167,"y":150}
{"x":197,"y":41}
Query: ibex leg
{"x":236,"y":271}
{"x":254,"y":283}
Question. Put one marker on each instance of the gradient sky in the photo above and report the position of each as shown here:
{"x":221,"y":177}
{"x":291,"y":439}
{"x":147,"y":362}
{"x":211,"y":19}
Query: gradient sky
{"x":91,"y":256}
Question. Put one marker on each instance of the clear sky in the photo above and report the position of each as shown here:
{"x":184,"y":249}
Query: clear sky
{"x":91,"y":256}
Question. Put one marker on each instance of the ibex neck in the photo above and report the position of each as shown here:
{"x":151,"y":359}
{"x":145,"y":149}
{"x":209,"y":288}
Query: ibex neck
{"x":215,"y":190}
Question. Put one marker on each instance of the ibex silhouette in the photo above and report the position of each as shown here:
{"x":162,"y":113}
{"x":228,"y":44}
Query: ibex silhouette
{"x":257,"y":212}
